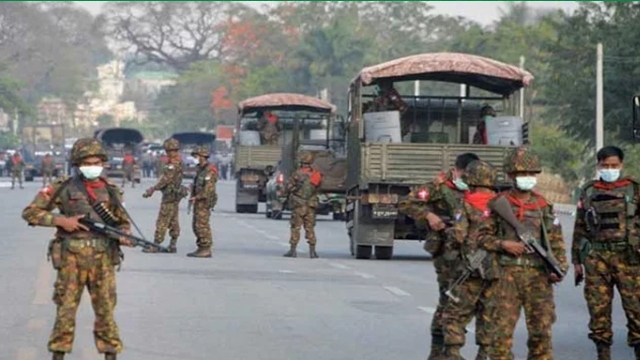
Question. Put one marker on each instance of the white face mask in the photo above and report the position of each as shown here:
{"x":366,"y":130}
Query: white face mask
{"x":91,"y":172}
{"x":526,"y":183}
{"x":609,"y":175}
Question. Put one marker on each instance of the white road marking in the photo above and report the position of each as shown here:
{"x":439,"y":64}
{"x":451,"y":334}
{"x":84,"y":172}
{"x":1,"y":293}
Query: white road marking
{"x":27,"y":354}
{"x":285,"y":271}
{"x":394,"y":290}
{"x":364,"y":275}
{"x":428,"y":310}
{"x":271,"y":237}
{"x":42,"y":295}
{"x":339,"y":266}
{"x":284,"y":244}
{"x":36,"y":324}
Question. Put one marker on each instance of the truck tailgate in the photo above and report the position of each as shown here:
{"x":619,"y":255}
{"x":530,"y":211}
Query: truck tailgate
{"x":257,"y":157}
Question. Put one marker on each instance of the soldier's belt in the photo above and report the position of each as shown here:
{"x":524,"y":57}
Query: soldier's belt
{"x":524,"y":261}
{"x":85,"y":243}
{"x":609,"y":246}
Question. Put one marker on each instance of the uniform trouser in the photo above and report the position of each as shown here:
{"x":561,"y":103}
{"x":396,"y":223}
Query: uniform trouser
{"x":605,"y":270}
{"x":202,"y":224}
{"x":528,"y":288}
{"x":167,"y":219}
{"x":127,"y":175}
{"x":16,"y":175}
{"x":476,"y":299}
{"x":46,"y":177}
{"x":303,"y":216}
{"x":95,"y":271}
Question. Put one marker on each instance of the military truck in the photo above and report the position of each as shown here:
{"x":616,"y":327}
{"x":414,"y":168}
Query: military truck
{"x":329,"y":158}
{"x":39,"y":140}
{"x":396,"y":142}
{"x":118,"y":142}
{"x":188,"y":142}
{"x":255,"y":161}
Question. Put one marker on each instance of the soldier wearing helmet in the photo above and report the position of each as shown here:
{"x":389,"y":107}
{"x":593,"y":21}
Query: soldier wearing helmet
{"x":204,"y":199}
{"x":170,"y":185}
{"x":527,"y":283}
{"x":47,"y":166}
{"x":475,"y":294}
{"x":83,"y":259}
{"x":302,"y":195}
{"x":128,"y":167}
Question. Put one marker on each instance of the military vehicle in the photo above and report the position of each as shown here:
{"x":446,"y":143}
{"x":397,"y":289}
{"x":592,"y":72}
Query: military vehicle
{"x":254,"y":160}
{"x":39,"y":140}
{"x":118,"y":142}
{"x":395,"y":144}
{"x":329,"y":158}
{"x":188,"y":142}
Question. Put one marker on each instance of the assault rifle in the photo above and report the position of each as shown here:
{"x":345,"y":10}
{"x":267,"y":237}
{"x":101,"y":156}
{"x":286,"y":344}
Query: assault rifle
{"x":114,"y":232}
{"x":473,"y":262}
{"x":502,"y":207}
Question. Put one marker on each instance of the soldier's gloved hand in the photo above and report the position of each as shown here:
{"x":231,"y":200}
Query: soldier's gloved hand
{"x":578,"y":273}
{"x":148,"y":193}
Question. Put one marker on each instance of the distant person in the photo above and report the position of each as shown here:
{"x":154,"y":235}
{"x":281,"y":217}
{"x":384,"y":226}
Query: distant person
{"x":17,"y":167}
{"x":269,"y":128}
{"x":480,"y":137}
{"x":128,"y":167}
{"x":47,"y":169}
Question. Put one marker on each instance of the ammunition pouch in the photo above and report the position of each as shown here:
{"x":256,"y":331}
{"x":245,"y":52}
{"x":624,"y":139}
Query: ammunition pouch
{"x":54,"y":253}
{"x":609,"y":246}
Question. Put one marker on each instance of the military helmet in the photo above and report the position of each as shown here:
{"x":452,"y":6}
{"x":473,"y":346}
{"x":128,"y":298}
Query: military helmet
{"x":480,"y":173}
{"x":171,"y":144}
{"x":305,"y":157}
{"x":87,"y":147}
{"x":522,"y":159}
{"x":201,"y":151}
{"x":487,"y":110}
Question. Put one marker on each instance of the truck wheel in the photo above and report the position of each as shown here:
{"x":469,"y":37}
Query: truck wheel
{"x":384,"y":252}
{"x":240,"y":209}
{"x":252,"y":209}
{"x":363,"y":251}
{"x":338,"y":216}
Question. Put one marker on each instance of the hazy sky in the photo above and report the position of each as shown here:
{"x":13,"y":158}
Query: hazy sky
{"x":483,"y":12}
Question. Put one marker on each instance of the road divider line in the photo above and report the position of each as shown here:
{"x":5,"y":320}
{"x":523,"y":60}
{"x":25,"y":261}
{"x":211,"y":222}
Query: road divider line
{"x":364,"y":275}
{"x":42,"y":294}
{"x":27,"y":353}
{"x":394,"y":290}
{"x":428,"y":310}
{"x":285,"y":271}
{"x":339,"y":266}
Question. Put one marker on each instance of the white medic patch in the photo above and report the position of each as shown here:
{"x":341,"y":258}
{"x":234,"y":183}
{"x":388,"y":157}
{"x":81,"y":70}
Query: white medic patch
{"x":208,"y":178}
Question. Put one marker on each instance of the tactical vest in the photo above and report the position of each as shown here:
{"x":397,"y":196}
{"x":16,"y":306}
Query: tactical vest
{"x":306,"y":193}
{"x":174,"y":191}
{"x":200,"y":182}
{"x":610,"y":215}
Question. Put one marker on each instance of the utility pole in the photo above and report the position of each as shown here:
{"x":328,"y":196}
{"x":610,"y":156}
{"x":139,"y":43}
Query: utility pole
{"x":522,"y":91}
{"x":599,"y":101}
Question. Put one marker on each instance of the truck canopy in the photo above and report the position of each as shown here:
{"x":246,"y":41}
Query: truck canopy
{"x":477,"y":71}
{"x":285,"y":102}
{"x":194,"y":138}
{"x":125,"y":136}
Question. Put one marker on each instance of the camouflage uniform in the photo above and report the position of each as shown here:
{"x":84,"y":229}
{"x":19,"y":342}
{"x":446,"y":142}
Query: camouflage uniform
{"x":128,"y":168}
{"x":87,"y":259}
{"x":17,"y":166}
{"x":47,"y":169}
{"x":302,"y":195}
{"x":524,"y":281}
{"x":440,"y":197}
{"x":170,"y":184}
{"x":269,"y":129}
{"x":476,"y":293}
{"x":205,"y":199}
{"x":608,"y":249}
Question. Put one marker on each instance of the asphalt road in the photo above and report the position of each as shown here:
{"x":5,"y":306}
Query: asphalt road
{"x":249,"y":302}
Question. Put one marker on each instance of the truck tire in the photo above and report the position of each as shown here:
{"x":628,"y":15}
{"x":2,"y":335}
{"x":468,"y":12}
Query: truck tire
{"x":363,"y":251}
{"x":384,"y":252}
{"x":240,"y":209}
{"x":252,"y":209}
{"x":338,"y":216}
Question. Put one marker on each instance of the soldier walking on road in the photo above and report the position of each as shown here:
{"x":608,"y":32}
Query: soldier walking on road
{"x":204,"y":199}
{"x":17,"y":167}
{"x":128,"y":165}
{"x":605,"y":249}
{"x":82,"y":259}
{"x":302,"y":194}
{"x":170,"y":184}
{"x":525,"y":282}
{"x":475,"y":296}
{"x":47,"y":169}
{"x":430,"y":205}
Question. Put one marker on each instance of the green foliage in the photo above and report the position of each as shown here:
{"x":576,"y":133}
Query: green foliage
{"x":9,"y":141}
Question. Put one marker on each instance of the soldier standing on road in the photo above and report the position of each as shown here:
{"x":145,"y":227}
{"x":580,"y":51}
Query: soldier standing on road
{"x":204,"y":199}
{"x":429,"y":205}
{"x":161,"y":161}
{"x":475,"y":294}
{"x":170,"y":184}
{"x":17,"y":167}
{"x":302,"y":194}
{"x":605,"y":249}
{"x":83,"y":259}
{"x":47,"y":169}
{"x":128,"y":164}
{"x":525,"y":282}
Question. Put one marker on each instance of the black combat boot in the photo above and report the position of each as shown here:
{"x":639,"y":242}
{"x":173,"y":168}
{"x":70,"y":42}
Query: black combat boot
{"x":110,"y":356}
{"x":437,"y":348}
{"x":58,"y":355}
{"x":312,"y":252}
{"x":292,"y":252}
{"x":604,"y":351}
{"x":150,"y":249}
{"x":637,"y":350}
{"x":172,"y":246}
{"x":200,"y":253}
{"x":483,"y":354}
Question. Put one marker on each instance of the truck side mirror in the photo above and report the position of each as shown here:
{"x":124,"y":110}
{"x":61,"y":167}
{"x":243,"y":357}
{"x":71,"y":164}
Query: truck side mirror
{"x":636,"y":117}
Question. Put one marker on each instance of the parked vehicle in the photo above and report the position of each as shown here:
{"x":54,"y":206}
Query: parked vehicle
{"x":118,"y":142}
{"x":188,"y":142}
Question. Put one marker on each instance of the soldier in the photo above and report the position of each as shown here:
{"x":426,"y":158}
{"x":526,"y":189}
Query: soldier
{"x":525,"y":282}
{"x":128,"y":164}
{"x":475,"y":295}
{"x":486,"y":113}
{"x":605,"y":249}
{"x":170,"y":184}
{"x":432,"y":203}
{"x":204,"y":199}
{"x":302,"y":194}
{"x":17,"y":167}
{"x":162,"y":160}
{"x":269,"y":128}
{"x":83,"y":259}
{"x":47,"y":169}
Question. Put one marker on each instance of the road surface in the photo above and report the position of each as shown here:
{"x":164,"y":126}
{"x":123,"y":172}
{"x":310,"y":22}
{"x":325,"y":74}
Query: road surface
{"x":249,"y":302}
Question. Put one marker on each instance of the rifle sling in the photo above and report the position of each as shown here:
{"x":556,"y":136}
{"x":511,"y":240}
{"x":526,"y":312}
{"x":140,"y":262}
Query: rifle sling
{"x":78,"y":184}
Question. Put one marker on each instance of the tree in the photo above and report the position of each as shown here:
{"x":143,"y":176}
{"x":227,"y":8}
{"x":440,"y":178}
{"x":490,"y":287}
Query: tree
{"x":106,"y":121}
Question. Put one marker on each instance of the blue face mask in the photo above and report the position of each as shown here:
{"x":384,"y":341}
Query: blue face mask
{"x":609,"y":175}
{"x":526,"y":183}
{"x":460,"y":185}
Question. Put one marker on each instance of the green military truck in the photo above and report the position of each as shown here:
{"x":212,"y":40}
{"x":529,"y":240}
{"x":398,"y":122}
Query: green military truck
{"x":39,"y":140}
{"x":393,"y":144}
{"x":255,"y":161}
